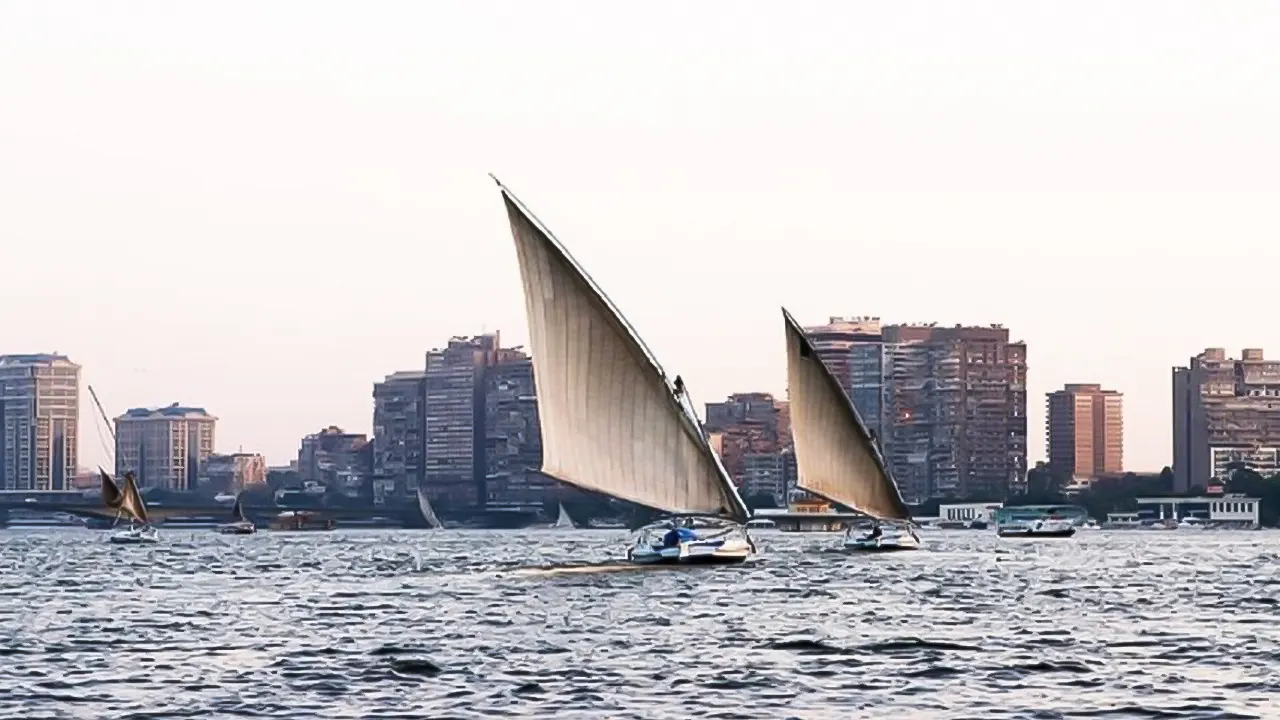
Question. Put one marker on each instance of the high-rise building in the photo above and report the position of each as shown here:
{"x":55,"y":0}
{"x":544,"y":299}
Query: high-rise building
{"x":336,"y":459}
{"x":399,"y":428}
{"x":453,"y":456}
{"x":1224,"y":411}
{"x":164,"y":447}
{"x":1085,"y":431}
{"x":853,"y":350}
{"x":232,"y":473}
{"x":39,"y":421}
{"x":745,"y":424}
{"x":956,"y":411}
{"x":765,"y":474}
{"x":513,"y":439}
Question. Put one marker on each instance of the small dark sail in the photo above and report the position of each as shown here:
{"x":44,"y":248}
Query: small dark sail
{"x":112,"y":495}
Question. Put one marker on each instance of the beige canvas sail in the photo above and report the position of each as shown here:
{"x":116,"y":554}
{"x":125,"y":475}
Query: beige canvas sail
{"x":112,"y":495}
{"x":428,"y":514}
{"x":610,"y":420}
{"x":132,"y":505}
{"x":835,"y":455}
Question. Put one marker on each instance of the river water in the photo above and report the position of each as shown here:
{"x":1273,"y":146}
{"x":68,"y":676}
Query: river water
{"x":401,"y":624}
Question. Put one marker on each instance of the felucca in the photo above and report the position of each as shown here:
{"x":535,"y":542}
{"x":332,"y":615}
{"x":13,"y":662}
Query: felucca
{"x":240,"y":525}
{"x":611,"y":420}
{"x":837,"y":458}
{"x":127,"y":502}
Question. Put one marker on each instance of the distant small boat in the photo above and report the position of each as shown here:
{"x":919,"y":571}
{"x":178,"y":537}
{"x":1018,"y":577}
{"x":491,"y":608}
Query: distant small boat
{"x":428,"y":513}
{"x":241,"y":525}
{"x":291,"y":520}
{"x":1049,"y":527}
{"x":563,"y":521}
{"x":127,"y":502}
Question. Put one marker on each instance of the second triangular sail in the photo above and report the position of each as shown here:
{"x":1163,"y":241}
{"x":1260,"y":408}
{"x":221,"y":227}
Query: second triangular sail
{"x":836,"y":457}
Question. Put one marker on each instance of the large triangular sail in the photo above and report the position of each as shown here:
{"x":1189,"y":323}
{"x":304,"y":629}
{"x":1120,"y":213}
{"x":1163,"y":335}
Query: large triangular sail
{"x":428,"y":514}
{"x":836,"y":456}
{"x":611,"y":421}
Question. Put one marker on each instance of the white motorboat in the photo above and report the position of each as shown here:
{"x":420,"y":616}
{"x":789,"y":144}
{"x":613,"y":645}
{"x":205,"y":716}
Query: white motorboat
{"x":134,"y":535}
{"x":241,"y":525}
{"x":837,"y":458}
{"x":683,"y":541}
{"x":1035,"y":527}
{"x":892,"y":537}
{"x":611,"y":420}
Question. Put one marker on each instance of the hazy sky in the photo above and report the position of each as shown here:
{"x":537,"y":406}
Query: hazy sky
{"x":262,"y":208}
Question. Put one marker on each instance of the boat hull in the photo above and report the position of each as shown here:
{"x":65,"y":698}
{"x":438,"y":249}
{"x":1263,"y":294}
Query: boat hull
{"x":134,"y":537}
{"x":245,"y":528}
{"x":892,"y":540}
{"x":694,"y":552}
{"x":1037,"y":529}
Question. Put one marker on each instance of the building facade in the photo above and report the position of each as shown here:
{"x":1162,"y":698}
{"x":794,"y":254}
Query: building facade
{"x":1084,"y":430}
{"x":39,"y":422}
{"x":232,"y":473}
{"x":454,"y":465}
{"x":1222,"y":407}
{"x":399,"y":428}
{"x":164,"y":447}
{"x":745,"y":424}
{"x":513,"y":439}
{"x":957,"y":411}
{"x":336,"y":459}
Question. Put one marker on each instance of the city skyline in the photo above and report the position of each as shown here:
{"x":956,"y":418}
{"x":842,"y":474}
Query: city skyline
{"x":489,"y":346}
{"x":845,"y":159}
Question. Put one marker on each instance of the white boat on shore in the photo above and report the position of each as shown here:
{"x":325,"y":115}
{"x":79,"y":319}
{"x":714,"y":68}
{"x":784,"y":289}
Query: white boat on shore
{"x":611,"y":421}
{"x":837,"y":458}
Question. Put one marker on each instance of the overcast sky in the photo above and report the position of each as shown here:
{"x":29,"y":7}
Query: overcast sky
{"x":262,"y":208}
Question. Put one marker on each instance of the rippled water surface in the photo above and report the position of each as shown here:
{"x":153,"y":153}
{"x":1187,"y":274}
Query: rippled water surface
{"x":372,"y":624}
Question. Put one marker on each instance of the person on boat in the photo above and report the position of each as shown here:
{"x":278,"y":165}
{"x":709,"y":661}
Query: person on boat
{"x":672,"y":537}
{"x":875,"y":533}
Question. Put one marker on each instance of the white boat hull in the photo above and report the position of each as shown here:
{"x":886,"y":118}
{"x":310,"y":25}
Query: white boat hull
{"x":239,"y":528}
{"x":1036,"y":528}
{"x":715,"y":551}
{"x":134,"y":536}
{"x":715,"y":545}
{"x":891,"y":540}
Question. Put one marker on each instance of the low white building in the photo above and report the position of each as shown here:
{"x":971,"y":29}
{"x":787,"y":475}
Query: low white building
{"x":967,"y":512}
{"x":1215,"y":508}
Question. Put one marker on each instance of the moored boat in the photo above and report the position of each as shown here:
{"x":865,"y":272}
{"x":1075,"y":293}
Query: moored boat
{"x":598,"y":383}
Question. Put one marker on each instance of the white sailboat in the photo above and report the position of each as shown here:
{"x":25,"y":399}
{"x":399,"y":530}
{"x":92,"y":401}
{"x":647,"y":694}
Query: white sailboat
{"x":611,"y":420}
{"x":127,"y":502}
{"x":837,"y":458}
{"x":563,"y":521}
{"x":428,"y":513}
{"x":240,"y":525}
